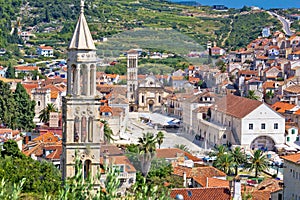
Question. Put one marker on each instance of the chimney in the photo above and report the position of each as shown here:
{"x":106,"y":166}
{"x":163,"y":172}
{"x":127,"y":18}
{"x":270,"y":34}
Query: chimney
{"x":237,"y":188}
{"x":184,"y":179}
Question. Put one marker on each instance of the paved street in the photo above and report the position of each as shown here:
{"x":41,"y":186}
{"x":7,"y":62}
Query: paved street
{"x":136,"y":130}
{"x":285,"y":23}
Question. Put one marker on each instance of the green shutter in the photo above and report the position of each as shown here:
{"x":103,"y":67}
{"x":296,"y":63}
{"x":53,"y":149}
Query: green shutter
{"x":288,"y":139}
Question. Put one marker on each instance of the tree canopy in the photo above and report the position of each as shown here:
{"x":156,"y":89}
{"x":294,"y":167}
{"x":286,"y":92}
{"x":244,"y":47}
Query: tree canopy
{"x":16,"y":109}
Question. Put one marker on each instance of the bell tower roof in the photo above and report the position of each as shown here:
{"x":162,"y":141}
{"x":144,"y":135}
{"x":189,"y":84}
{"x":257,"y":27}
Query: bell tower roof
{"x":82,"y":38}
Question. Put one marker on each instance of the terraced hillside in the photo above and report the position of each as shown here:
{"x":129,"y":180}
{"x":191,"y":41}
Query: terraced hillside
{"x":110,"y":17}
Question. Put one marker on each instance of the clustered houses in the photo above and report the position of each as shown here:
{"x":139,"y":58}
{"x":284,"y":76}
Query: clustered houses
{"x":268,"y":70}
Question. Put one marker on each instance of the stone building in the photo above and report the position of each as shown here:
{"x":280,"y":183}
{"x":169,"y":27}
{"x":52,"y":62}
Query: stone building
{"x":82,"y":130}
{"x":42,"y":97}
{"x":151,"y":93}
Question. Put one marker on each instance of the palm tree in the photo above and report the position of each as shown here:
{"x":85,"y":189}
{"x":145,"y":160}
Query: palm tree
{"x":108,"y":133}
{"x":225,"y":163}
{"x":220,"y":150}
{"x":160,"y":138}
{"x":182,"y":147}
{"x":251,"y":95}
{"x":239,"y":158}
{"x":45,"y":113}
{"x":147,"y":151}
{"x":259,"y":162}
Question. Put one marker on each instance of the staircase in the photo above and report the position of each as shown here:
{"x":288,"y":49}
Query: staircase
{"x":236,"y":137}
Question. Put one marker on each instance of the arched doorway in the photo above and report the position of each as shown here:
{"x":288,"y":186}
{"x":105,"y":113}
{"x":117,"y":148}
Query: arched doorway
{"x":263,"y":142}
{"x":151,"y":103}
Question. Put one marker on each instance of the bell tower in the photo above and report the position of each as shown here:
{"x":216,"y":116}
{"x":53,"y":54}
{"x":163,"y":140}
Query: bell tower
{"x":132,"y":80}
{"x":81,"y":116}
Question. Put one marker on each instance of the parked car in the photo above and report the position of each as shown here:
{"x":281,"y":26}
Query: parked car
{"x":209,"y":159}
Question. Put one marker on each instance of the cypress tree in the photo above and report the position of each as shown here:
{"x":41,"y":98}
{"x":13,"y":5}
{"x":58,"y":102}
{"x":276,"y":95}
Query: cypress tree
{"x":24,"y":108}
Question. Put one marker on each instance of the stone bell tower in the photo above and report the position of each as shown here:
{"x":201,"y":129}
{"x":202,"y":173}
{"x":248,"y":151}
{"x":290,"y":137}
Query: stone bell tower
{"x":81,"y":117}
{"x":132,"y":80}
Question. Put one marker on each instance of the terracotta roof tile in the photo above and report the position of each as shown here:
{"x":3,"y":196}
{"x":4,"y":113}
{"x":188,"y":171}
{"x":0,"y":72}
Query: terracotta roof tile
{"x":217,"y":193}
{"x":269,"y":85}
{"x":120,"y":160}
{"x":177,"y":78}
{"x":55,"y":155}
{"x":215,"y":182}
{"x":281,"y":107}
{"x":293,"y":89}
{"x":26,"y":68}
{"x":48,"y":137}
{"x":261,"y":195}
{"x":236,"y":106}
{"x":295,"y":158}
{"x":111,"y":150}
{"x":175,"y":153}
{"x":106,"y":109}
{"x":46,"y":47}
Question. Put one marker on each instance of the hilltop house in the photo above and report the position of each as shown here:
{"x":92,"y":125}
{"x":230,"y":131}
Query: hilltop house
{"x":45,"y":51}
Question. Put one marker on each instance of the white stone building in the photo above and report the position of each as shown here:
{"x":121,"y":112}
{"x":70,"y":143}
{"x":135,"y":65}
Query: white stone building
{"x":291,"y":177}
{"x":45,"y":51}
{"x":242,"y":121}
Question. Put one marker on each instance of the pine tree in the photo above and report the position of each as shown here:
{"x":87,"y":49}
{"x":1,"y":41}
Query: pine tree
{"x":10,"y":72}
{"x":7,"y":106}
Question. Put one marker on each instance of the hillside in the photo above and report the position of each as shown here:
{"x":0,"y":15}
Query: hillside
{"x":109,"y":17}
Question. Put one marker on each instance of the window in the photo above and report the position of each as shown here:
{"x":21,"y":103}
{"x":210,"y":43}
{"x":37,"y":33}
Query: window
{"x":39,"y":103}
{"x":250,"y":126}
{"x":297,"y":138}
{"x":143,"y":99}
{"x":293,"y":131}
{"x":287,"y":139}
{"x":276,"y":126}
{"x":224,"y":136}
{"x":263,"y":126}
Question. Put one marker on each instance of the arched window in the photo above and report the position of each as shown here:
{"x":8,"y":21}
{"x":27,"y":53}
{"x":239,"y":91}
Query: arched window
{"x":87,"y":168}
{"x":83,"y":129}
{"x":76,"y":129}
{"x":92,"y":79}
{"x":90,"y":129}
{"x":159,"y":99}
{"x":74,"y":79}
{"x":83,"y":79}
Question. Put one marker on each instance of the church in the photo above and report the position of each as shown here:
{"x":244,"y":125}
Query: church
{"x":146,"y":95}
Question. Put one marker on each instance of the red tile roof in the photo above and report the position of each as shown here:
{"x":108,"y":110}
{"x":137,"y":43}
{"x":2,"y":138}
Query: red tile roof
{"x":295,"y":158}
{"x":105,"y":109}
{"x":217,"y":193}
{"x":55,"y":155}
{"x":46,"y":48}
{"x":47,"y":137}
{"x":215,"y":182}
{"x":26,"y":68}
{"x":236,"y":106}
{"x":281,"y":107}
{"x":175,"y":153}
